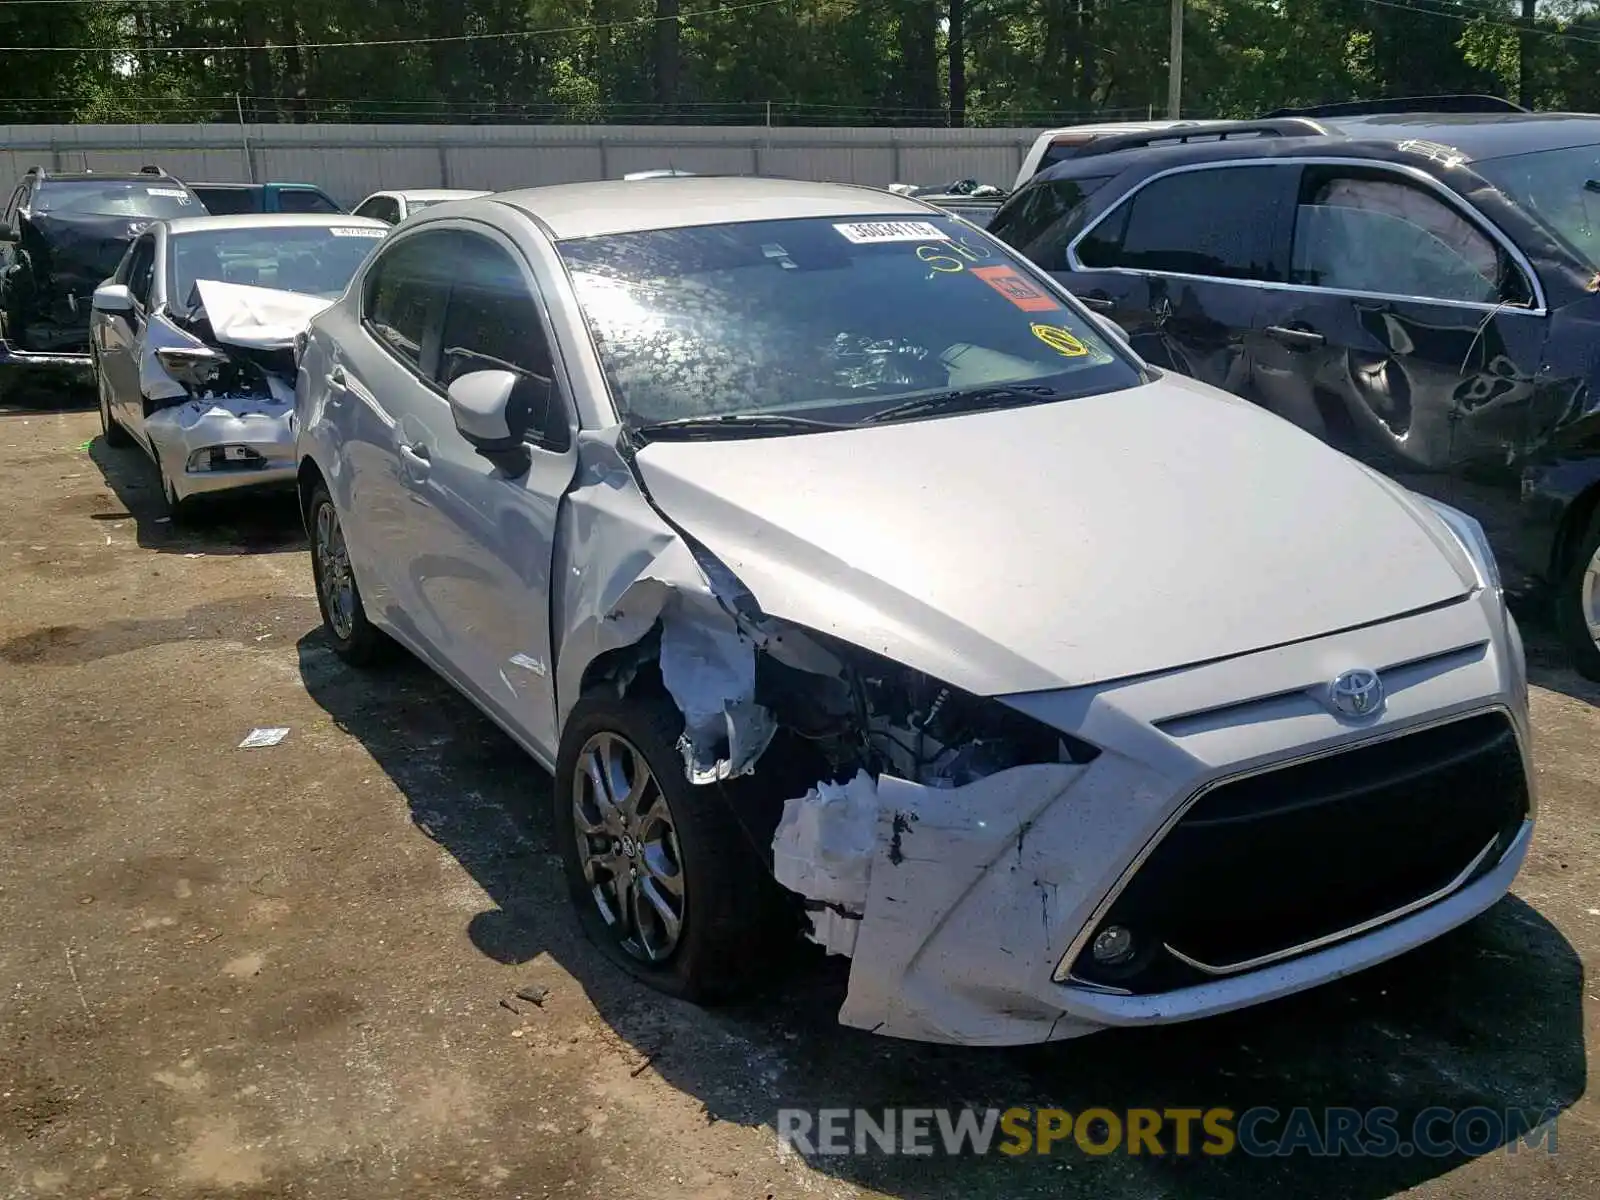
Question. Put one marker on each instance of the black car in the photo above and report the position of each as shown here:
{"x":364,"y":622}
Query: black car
{"x":1420,"y":290}
{"x":61,"y":235}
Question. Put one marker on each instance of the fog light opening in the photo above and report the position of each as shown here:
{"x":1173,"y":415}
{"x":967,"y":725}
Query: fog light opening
{"x":1113,"y":946}
{"x":225,"y":458}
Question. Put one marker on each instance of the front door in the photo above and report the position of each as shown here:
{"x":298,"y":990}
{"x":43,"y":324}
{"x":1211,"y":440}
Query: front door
{"x":1177,"y":265}
{"x":119,"y":336}
{"x":1409,"y":338}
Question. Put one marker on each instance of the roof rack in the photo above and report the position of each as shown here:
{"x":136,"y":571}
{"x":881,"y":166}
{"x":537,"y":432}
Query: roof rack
{"x":1404,"y":104}
{"x":1203,"y":131}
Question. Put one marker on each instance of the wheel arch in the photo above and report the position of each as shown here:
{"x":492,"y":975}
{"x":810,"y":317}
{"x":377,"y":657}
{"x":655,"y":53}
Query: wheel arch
{"x":1577,"y":523}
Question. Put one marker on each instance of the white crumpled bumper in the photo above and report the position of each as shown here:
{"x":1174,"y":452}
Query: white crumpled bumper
{"x":962,"y":909}
{"x":217,"y":445}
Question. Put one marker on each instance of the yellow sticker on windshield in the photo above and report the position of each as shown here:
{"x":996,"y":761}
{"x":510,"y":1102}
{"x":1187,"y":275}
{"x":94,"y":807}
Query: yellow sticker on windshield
{"x":1060,"y":340}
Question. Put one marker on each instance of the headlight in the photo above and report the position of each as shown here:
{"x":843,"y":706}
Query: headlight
{"x":1473,"y":540}
{"x":195,"y":367}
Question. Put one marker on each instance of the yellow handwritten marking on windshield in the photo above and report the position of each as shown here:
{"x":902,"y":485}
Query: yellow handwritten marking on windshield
{"x":950,"y":257}
{"x":1060,"y":340}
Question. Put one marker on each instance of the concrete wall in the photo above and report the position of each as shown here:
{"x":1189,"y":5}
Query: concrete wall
{"x":352,"y":161}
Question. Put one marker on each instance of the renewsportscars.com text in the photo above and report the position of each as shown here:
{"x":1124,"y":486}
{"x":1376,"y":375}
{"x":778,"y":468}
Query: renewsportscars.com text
{"x":1260,"y":1132}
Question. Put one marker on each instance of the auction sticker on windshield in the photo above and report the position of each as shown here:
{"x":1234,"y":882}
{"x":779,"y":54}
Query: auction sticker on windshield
{"x":178,"y":194}
{"x":355,"y":231}
{"x":1016,"y":289}
{"x":865,"y":233}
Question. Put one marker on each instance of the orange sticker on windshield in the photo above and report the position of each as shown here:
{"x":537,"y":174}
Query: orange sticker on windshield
{"x":1060,"y":340}
{"x":1016,"y":289}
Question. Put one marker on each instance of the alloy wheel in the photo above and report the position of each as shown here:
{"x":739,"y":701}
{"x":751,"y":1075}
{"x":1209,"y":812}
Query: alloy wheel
{"x":628,"y":847}
{"x":1589,"y":597}
{"x":333,"y":572}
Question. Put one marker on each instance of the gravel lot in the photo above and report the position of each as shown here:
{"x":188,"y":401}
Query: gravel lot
{"x":280,"y":972}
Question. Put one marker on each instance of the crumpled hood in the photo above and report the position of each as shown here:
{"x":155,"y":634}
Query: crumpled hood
{"x":256,"y":317}
{"x":1061,"y":544}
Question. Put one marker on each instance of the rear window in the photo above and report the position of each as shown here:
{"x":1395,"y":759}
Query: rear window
{"x":1037,"y":219}
{"x":154,"y":198}
{"x":305,"y":200}
{"x":828,"y":318}
{"x":227,"y":202}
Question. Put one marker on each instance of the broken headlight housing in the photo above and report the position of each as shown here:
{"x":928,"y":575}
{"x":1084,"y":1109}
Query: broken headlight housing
{"x":197,"y":368}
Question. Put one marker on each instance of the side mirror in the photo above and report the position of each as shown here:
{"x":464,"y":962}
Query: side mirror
{"x":113,"y":298}
{"x":495,"y":410}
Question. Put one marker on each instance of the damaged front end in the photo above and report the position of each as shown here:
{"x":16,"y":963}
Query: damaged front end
{"x":218,"y":384}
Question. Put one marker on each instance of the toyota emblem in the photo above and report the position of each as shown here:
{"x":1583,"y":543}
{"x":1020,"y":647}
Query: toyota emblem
{"x":1357,"y":693}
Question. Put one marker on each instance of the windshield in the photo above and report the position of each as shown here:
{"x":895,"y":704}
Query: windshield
{"x":1560,"y":188}
{"x":830,"y":318}
{"x":316,"y":260}
{"x":155,"y":198}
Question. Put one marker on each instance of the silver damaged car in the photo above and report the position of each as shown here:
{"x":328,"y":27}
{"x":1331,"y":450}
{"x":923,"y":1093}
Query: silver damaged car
{"x":853,"y":580}
{"x":192,"y":341}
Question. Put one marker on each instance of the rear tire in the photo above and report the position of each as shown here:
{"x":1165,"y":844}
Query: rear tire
{"x":1578,"y":605}
{"x":672,"y":830}
{"x":344,"y":617}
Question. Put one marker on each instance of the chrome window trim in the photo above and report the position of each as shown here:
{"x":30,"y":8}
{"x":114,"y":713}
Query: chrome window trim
{"x":1539,"y":308}
{"x":1063,"y":970}
{"x":1367,"y":926}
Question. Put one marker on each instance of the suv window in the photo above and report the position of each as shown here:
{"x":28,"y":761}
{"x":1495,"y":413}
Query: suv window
{"x":227,"y":201}
{"x":1033,"y":219}
{"x":141,"y":270}
{"x":1218,"y":222}
{"x":402,"y":290}
{"x":1373,"y":231}
{"x":304,"y":200}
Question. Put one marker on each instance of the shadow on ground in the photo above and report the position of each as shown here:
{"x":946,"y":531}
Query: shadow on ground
{"x":242,"y":523}
{"x":1489,"y":1017}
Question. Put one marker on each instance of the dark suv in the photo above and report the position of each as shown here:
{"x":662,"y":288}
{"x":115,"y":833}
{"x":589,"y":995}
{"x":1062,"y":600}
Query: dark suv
{"x":1420,"y":290}
{"x":61,"y":235}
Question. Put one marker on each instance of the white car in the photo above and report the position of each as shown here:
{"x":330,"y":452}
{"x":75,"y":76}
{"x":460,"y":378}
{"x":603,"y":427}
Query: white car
{"x":192,"y":342}
{"x":393,"y":207}
{"x":1058,"y":145}
{"x":807,"y":533}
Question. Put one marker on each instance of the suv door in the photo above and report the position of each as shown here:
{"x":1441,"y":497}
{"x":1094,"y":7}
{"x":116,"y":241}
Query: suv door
{"x":483,"y":573}
{"x":1178,"y":262}
{"x":1410,"y":335}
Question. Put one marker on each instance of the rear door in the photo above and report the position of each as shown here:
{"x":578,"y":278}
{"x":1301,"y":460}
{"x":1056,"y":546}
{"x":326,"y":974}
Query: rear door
{"x":1410,"y":336}
{"x":1179,"y":262}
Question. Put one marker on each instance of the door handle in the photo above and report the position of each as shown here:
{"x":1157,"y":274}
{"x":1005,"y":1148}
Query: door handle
{"x":416,"y":457}
{"x":335,"y":380}
{"x":1296,"y":339}
{"x":1098,"y":302}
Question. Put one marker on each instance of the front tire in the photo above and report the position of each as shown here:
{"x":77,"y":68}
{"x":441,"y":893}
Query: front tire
{"x":344,"y":617}
{"x":110,"y":428}
{"x":1578,"y":605}
{"x":664,"y":881}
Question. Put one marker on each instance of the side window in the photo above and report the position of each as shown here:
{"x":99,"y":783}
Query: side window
{"x":492,"y":318}
{"x":403,"y":290}
{"x":382,"y":208}
{"x":1371,"y":231}
{"x":304,"y":200}
{"x":141,"y":270}
{"x":1033,"y":221}
{"x":1219,"y":222}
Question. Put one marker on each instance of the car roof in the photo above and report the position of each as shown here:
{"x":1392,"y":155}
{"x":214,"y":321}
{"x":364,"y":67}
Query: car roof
{"x":579,"y":210}
{"x":179,"y":225}
{"x":243,"y":187}
{"x":46,"y":175}
{"x":1467,"y":137}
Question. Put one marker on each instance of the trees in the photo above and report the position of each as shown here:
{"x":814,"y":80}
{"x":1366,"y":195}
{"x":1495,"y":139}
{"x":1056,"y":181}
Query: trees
{"x":1024,"y":62}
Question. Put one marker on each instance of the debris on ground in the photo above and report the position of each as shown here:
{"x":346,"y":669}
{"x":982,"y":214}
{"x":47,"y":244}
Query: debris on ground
{"x":261,"y":738}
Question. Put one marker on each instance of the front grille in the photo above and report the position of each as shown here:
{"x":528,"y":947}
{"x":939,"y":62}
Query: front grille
{"x":1281,"y":859}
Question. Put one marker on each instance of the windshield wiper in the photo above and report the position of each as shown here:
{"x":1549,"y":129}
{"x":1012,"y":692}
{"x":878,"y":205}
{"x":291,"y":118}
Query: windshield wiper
{"x":966,"y":400}
{"x":731,"y":425}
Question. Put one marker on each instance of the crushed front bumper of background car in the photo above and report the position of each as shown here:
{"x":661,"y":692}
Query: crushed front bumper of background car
{"x":225,"y":443}
{"x":970,"y":913}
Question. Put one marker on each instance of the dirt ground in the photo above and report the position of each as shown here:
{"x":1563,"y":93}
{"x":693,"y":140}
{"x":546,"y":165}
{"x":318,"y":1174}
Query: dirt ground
{"x":291,"y":972}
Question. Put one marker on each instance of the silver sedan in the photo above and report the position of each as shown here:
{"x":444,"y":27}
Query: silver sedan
{"x":193,"y":342}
